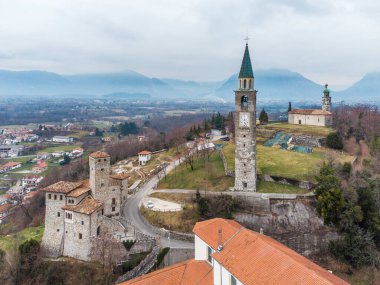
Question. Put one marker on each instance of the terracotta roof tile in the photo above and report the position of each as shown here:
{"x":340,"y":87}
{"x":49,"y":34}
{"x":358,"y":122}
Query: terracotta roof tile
{"x":62,"y":187}
{"x":145,"y":152}
{"x":189,"y":272}
{"x":254,"y":258}
{"x":78,"y":192}
{"x":309,"y":112}
{"x":208,"y":230}
{"x":99,"y":154}
{"x":87,"y":206}
{"x":5,"y":207}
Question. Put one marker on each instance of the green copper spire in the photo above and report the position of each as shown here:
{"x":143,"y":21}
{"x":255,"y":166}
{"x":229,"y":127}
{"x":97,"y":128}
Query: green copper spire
{"x":246,"y":66}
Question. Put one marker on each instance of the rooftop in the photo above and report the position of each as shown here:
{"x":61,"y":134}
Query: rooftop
{"x":99,"y":154}
{"x":78,"y":192}
{"x":62,"y":187}
{"x":246,"y":66}
{"x":145,"y":152}
{"x":120,"y":176}
{"x":309,"y":112}
{"x":189,"y":272}
{"x":87,"y":206}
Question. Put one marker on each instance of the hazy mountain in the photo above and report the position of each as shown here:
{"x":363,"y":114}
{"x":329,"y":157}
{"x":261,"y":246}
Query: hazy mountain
{"x":275,"y":84}
{"x":367,"y":89}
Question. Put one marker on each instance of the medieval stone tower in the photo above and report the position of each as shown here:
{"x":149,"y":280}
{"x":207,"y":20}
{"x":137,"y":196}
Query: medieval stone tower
{"x":100,"y":168}
{"x":326,"y":99}
{"x":245,"y":128}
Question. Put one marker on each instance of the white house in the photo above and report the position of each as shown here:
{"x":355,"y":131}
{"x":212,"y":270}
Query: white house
{"x":62,"y":139}
{"x":226,"y":253}
{"x":144,"y":157}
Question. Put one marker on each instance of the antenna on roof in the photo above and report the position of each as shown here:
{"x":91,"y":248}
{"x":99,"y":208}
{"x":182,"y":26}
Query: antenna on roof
{"x":220,"y":246}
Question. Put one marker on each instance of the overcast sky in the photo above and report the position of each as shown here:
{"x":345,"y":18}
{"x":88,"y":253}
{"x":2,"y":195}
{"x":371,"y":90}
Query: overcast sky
{"x":334,"y":41}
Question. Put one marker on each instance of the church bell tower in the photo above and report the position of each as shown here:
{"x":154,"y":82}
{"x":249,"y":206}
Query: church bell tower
{"x":245,"y":128}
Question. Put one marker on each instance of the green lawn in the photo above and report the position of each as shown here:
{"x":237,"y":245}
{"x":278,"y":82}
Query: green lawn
{"x":59,"y":148}
{"x":284,"y":163}
{"x":272,"y":187}
{"x":210,"y":177}
{"x":7,"y":242}
{"x":299,"y":129}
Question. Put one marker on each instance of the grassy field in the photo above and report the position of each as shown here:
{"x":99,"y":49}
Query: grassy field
{"x":272,"y":187}
{"x":299,"y":129}
{"x":206,"y":177}
{"x":59,"y":148}
{"x":289,"y":164}
{"x":6,"y":242}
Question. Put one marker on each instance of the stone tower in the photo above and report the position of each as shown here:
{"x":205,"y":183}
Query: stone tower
{"x":245,"y":128}
{"x":326,"y":99}
{"x":100,"y":168}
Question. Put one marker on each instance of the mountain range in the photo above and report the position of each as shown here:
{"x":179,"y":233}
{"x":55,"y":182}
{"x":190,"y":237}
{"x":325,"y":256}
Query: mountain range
{"x":273,"y":84}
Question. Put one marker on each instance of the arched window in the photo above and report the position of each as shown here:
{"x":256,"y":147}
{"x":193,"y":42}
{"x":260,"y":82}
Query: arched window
{"x":250,"y":84}
{"x":244,"y":102}
{"x":98,"y":231}
{"x":245,"y":83}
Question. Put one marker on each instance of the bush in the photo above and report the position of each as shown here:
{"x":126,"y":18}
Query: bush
{"x":346,"y":168}
{"x":334,"y":141}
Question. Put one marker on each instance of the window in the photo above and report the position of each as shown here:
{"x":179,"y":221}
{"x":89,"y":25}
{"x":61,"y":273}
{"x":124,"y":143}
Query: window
{"x":244,"y":102}
{"x":101,"y":169}
{"x":245,"y":184}
{"x":55,"y":197}
{"x":245,"y":83}
{"x":60,"y":197}
{"x":113,"y":209}
{"x":113,"y":201}
{"x":57,"y":230}
{"x":105,"y":159}
{"x":233,"y":280}
{"x":58,"y":214}
{"x":82,"y":223}
{"x":209,"y":252}
{"x":49,"y":196}
{"x":80,"y":236}
{"x":98,"y":231}
{"x":69,"y":216}
{"x":99,"y":160}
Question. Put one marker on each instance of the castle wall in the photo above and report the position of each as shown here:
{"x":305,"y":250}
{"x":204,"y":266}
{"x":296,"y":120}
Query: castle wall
{"x":79,"y":230}
{"x":52,"y":241}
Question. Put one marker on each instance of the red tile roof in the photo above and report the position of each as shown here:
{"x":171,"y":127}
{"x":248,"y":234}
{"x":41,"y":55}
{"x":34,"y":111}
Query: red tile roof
{"x":87,"y":206}
{"x":309,"y":112}
{"x":189,"y":272}
{"x":11,"y":164}
{"x":5,"y":207}
{"x":99,"y":154}
{"x":62,"y":187}
{"x":208,"y":230}
{"x":145,"y":152}
{"x":120,"y":176}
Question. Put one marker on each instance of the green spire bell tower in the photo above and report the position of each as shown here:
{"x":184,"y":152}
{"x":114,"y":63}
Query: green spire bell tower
{"x":245,"y":128}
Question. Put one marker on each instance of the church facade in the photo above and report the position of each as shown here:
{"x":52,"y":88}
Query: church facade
{"x":245,"y":128}
{"x":313,"y":117}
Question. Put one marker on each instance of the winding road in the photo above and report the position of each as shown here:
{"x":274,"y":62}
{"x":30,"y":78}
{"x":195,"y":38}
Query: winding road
{"x":131,"y":211}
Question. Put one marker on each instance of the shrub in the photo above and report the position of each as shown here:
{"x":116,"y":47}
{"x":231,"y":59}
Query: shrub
{"x":334,"y":141}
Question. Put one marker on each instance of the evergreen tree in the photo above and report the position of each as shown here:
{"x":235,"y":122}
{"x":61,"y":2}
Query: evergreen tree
{"x":263,"y":117}
{"x":290,"y":106}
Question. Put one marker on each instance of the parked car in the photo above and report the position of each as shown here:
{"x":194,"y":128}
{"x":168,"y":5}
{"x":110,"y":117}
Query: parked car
{"x":150,"y":204}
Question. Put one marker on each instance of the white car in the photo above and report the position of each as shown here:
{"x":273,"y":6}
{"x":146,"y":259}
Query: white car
{"x":150,"y":204}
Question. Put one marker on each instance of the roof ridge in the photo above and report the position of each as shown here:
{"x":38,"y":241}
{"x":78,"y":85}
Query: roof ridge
{"x":231,"y":237}
{"x":183,"y":272}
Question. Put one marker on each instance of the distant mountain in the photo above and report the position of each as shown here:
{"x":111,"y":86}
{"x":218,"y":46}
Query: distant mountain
{"x":367,"y":89}
{"x":275,"y":84}
{"x":125,"y":95}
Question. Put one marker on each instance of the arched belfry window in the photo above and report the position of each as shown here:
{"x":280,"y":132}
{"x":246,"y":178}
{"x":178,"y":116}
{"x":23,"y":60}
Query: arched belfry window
{"x":245,"y":84}
{"x":244,"y":102}
{"x":250,"y":84}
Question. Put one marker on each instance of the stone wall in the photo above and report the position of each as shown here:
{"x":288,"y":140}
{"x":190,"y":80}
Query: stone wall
{"x":310,"y":141}
{"x":176,"y":255}
{"x":295,"y":223}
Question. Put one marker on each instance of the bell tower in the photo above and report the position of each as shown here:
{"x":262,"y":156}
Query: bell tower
{"x":245,"y":128}
{"x":326,"y":99}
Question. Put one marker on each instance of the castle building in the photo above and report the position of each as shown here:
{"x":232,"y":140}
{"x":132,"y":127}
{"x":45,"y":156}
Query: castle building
{"x":313,"y":117}
{"x":74,"y":210}
{"x":228,"y":253}
{"x":245,"y":128}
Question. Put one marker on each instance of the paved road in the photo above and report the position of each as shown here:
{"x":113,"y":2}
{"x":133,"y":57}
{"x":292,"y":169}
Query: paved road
{"x":132,"y":213}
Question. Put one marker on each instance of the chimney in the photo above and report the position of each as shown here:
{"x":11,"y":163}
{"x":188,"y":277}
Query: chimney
{"x":220,"y":246}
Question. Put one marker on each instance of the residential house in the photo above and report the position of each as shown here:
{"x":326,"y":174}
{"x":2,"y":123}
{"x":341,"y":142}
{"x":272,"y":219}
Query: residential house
{"x":40,"y":167}
{"x":144,"y":157}
{"x":6,"y":210}
{"x":31,"y":182}
{"x":227,"y":253}
{"x":62,"y":139}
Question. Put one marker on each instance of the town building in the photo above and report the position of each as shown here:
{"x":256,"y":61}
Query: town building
{"x":245,"y":128}
{"x":11,"y":150}
{"x":313,"y":117}
{"x":30,"y":182}
{"x":144,"y":157}
{"x":62,"y":139}
{"x":74,"y":210}
{"x":6,"y":210}
{"x":41,"y":166}
{"x":227,"y":253}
